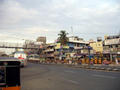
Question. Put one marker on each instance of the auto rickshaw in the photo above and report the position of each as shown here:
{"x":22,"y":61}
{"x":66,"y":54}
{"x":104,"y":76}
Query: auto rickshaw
{"x":9,"y":74}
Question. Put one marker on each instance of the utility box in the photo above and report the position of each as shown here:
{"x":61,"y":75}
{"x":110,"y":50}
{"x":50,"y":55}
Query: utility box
{"x":9,"y":74}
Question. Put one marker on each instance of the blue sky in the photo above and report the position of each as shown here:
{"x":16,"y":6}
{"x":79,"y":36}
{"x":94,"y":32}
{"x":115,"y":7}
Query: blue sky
{"x":28,"y":19}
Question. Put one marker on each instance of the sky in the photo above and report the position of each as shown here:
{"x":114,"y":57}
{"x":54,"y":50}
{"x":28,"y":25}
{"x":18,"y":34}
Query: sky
{"x":29,"y":19}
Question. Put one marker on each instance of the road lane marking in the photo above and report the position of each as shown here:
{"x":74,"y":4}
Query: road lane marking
{"x":69,"y":71}
{"x":72,"y":81}
{"x":103,"y":76}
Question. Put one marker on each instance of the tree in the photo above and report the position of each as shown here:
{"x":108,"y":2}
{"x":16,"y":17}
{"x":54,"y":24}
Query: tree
{"x":63,"y":39}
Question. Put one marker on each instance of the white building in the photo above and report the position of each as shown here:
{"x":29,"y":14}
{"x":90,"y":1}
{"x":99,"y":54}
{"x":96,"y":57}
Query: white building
{"x":112,"y":44}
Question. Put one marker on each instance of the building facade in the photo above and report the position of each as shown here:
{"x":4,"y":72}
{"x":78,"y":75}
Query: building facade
{"x":111,"y":46}
{"x":49,"y":51}
{"x":41,"y":39}
{"x":97,"y":46}
{"x":75,"y":47}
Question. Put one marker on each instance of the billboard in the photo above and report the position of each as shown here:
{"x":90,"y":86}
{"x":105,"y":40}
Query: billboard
{"x":112,"y":41}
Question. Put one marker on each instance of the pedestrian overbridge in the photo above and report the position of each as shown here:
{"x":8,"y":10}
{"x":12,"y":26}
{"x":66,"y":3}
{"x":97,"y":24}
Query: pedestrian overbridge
{"x":18,"y":45}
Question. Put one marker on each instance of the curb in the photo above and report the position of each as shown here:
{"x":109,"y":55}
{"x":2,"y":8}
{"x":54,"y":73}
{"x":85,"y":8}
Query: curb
{"x":98,"y":68}
{"x":85,"y":66}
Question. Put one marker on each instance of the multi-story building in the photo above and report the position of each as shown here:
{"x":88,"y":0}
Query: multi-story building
{"x":97,"y":45}
{"x":41,"y":39}
{"x":111,"y":46}
{"x":80,"y":47}
{"x":60,"y":51}
{"x":76,"y":43}
{"x":75,"y":47}
{"x":49,"y":51}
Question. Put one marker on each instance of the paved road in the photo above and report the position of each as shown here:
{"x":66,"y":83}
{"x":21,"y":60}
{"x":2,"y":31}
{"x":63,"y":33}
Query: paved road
{"x":57,"y":77}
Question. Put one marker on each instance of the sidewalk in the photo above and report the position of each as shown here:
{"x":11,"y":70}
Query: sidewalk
{"x":115,"y":65}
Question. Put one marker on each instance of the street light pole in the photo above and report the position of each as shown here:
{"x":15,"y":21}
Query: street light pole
{"x":89,"y":53}
{"x":110,"y":53}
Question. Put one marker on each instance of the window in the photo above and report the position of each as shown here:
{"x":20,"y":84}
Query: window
{"x":116,"y":46}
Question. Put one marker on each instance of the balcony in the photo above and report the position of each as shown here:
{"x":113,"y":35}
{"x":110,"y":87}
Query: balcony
{"x":56,"y":53}
{"x":78,"y":47}
{"x":49,"y":50}
{"x":49,"y":55}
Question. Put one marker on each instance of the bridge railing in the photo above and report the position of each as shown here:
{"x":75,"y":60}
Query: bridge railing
{"x":18,"y":45}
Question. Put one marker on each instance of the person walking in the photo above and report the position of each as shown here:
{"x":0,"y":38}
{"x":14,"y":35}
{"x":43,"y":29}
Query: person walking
{"x":116,"y":60}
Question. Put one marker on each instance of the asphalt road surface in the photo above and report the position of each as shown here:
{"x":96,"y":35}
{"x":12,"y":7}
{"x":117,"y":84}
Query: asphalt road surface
{"x":60,"y":77}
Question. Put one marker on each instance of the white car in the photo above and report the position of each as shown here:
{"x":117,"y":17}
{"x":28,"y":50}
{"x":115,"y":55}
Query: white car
{"x":22,"y":57}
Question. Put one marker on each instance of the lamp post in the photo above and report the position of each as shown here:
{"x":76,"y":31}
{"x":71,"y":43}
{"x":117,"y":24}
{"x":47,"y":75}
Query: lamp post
{"x":111,"y":53}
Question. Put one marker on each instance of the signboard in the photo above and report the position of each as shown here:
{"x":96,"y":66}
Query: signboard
{"x":112,"y":41}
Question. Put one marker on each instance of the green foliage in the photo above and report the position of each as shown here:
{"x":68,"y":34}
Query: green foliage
{"x":63,"y":39}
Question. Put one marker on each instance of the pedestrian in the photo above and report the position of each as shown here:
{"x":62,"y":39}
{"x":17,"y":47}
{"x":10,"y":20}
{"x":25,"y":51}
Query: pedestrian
{"x":91,"y":62}
{"x":116,"y":60}
{"x":70,"y":62}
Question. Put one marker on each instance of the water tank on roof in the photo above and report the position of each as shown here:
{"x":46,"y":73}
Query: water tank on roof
{"x":99,"y":39}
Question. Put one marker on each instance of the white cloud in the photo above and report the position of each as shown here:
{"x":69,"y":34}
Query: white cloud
{"x":41,"y":31}
{"x":36,"y":30}
{"x":47,"y":17}
{"x":12,"y":12}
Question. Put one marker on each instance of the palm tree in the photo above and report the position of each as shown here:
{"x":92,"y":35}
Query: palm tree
{"x":63,"y":39}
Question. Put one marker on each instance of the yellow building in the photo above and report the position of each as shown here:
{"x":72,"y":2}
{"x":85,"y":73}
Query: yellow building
{"x":97,"y":46}
{"x":58,"y":46}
